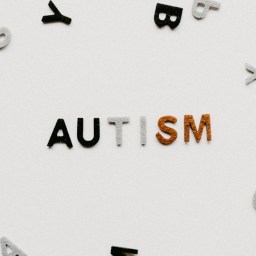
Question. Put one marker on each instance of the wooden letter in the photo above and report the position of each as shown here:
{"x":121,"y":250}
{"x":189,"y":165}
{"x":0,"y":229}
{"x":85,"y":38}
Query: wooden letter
{"x":166,"y":129}
{"x":189,"y":122}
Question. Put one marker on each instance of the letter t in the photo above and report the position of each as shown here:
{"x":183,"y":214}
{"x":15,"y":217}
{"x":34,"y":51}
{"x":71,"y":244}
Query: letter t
{"x":118,"y":121}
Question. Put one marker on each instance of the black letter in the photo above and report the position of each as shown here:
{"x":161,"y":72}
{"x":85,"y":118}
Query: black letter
{"x":60,"y":125}
{"x":118,"y":251}
{"x":168,"y":11}
{"x":56,"y":17}
{"x":80,"y":128}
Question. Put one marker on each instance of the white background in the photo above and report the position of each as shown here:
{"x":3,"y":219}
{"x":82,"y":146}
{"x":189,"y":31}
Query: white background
{"x":181,"y":200}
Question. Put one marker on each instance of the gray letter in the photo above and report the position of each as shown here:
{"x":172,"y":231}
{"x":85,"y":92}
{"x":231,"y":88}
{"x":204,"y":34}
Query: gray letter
{"x":118,"y":121}
{"x":7,"y":37}
{"x":253,"y":76}
{"x":7,"y":244}
{"x":254,"y":201}
{"x":143,"y":130}
{"x":207,"y":4}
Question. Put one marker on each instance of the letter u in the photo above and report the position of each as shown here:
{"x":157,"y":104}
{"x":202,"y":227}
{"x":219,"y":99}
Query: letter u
{"x":80,"y":128}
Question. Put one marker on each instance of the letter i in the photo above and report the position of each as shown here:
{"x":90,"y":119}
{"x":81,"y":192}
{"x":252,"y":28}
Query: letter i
{"x":143,"y":130}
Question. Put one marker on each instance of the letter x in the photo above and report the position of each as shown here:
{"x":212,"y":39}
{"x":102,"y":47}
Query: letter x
{"x":56,"y":17}
{"x":252,"y":70}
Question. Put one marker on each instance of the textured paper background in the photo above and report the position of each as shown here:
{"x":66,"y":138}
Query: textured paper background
{"x":113,"y":61}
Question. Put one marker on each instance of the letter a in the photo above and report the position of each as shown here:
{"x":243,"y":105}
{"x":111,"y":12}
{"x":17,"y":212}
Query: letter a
{"x":60,"y":126}
{"x":10,"y":249}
